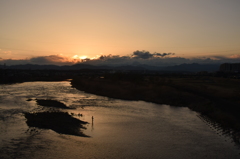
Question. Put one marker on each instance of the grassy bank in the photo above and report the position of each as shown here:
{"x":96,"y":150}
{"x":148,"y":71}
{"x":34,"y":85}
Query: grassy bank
{"x":216,"y":98}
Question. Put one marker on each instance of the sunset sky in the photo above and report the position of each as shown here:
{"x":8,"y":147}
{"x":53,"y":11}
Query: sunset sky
{"x":81,"y":29}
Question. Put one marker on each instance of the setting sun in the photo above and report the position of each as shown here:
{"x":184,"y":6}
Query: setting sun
{"x":79,"y":57}
{"x":83,"y":57}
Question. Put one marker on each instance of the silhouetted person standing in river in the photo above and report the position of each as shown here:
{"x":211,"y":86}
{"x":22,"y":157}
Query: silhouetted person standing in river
{"x":92,"y":123}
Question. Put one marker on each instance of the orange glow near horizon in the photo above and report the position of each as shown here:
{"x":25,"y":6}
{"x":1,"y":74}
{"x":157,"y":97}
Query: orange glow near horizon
{"x":77,"y":57}
{"x":83,"y":57}
{"x":86,"y":29}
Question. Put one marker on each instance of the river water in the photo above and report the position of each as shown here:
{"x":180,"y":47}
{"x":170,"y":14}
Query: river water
{"x":120,"y":129}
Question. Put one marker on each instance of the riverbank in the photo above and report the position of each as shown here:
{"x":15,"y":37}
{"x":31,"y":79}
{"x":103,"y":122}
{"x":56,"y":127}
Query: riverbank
{"x":216,"y":98}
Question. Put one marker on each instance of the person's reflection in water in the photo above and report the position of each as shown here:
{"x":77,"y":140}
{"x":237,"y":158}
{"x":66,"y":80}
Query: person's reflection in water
{"x":92,"y":124}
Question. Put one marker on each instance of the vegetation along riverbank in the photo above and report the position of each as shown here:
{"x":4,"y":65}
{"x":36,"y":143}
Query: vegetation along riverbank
{"x":60,"y":122}
{"x":214,"y":97}
{"x":55,"y":119}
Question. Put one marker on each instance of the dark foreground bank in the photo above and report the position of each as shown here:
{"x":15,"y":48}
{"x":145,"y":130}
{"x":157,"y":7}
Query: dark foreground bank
{"x":213,"y":97}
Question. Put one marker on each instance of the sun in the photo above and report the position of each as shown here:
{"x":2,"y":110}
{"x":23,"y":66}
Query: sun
{"x":79,"y":57}
{"x":83,"y":57}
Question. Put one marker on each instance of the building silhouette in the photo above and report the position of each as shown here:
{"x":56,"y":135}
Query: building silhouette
{"x":230,"y":67}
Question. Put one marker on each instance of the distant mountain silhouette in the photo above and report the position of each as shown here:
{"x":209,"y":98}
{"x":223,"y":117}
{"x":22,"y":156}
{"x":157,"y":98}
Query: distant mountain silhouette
{"x":194,"y":67}
{"x":34,"y":67}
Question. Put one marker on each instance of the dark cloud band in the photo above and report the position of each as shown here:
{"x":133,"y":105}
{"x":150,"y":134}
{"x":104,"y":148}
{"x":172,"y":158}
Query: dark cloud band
{"x":136,"y":58}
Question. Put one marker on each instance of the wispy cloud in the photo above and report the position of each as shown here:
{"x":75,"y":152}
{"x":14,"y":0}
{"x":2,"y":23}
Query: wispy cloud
{"x":5,"y":52}
{"x":236,"y":56}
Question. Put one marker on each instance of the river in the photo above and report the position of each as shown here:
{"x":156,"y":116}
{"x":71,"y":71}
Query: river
{"x":119,"y":128}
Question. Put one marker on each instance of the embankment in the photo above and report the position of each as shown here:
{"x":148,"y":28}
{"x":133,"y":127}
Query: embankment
{"x":216,"y":98}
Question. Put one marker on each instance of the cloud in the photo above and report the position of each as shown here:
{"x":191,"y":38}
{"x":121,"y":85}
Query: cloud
{"x":159,"y":59}
{"x":5,"y":52}
{"x":42,"y":60}
{"x":136,"y":58}
{"x":146,"y":55}
{"x":235,"y":56}
{"x":52,"y":59}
